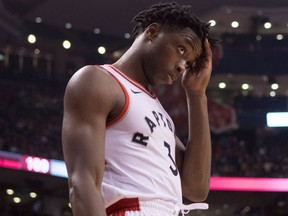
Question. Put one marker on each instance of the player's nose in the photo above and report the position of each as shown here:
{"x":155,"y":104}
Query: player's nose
{"x":181,"y":67}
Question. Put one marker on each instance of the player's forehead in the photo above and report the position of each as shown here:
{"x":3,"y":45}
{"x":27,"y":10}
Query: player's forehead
{"x":188,"y":36}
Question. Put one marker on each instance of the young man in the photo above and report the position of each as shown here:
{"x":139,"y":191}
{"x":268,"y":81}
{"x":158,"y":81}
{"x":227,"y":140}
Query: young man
{"x":120,"y":147}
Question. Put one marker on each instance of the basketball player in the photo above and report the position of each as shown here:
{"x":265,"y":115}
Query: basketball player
{"x":122,"y":154}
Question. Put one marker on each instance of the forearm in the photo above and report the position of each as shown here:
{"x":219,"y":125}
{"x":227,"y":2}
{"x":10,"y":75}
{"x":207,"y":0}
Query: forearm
{"x":85,"y":171}
{"x":196,"y":167}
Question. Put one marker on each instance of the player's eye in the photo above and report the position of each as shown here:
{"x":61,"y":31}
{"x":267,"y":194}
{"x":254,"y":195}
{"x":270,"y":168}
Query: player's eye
{"x":181,"y":50}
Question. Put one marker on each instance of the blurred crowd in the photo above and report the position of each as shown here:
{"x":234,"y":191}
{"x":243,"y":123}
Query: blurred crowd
{"x":31,"y":116}
{"x":251,"y":153}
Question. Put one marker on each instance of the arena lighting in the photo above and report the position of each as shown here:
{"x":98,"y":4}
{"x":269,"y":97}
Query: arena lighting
{"x":258,"y":37}
{"x":36,"y":51}
{"x":274,"y":86}
{"x":249,"y":184}
{"x":66,"y":44}
{"x":31,"y":38}
{"x":235,"y":24}
{"x":245,"y":86}
{"x":222,"y":85}
{"x":277,"y":119}
{"x":10,"y":191}
{"x":58,"y":169}
{"x":272,"y":93}
{"x":38,"y":19}
{"x":16,"y":199}
{"x":68,"y":25}
{"x":279,"y":37}
{"x":127,"y":35}
{"x":97,"y":31}
{"x":267,"y":25}
{"x":101,"y":50}
{"x":33,"y":195}
{"x":212,"y":23}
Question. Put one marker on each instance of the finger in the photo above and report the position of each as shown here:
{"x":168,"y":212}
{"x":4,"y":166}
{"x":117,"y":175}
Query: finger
{"x":208,"y":49}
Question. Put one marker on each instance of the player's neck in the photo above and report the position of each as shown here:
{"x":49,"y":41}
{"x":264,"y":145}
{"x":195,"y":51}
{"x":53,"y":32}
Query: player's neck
{"x":130,"y":64}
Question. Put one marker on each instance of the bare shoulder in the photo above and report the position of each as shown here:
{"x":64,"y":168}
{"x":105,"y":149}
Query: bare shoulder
{"x":92,"y":75}
{"x":91,"y":89}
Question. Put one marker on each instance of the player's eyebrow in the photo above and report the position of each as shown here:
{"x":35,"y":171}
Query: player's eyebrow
{"x":195,"y":43}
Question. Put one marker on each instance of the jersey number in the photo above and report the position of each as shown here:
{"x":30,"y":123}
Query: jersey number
{"x":174,"y":170}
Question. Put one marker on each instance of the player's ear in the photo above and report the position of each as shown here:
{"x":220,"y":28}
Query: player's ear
{"x":152,"y":31}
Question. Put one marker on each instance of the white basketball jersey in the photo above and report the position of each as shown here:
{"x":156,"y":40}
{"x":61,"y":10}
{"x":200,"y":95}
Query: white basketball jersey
{"x":140,"y":148}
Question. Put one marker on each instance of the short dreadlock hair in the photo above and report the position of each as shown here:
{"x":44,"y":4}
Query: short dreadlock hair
{"x":172,"y":15}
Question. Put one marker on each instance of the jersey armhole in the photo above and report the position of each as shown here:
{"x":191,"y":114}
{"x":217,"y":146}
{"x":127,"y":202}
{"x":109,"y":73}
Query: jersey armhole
{"x":127,"y":101}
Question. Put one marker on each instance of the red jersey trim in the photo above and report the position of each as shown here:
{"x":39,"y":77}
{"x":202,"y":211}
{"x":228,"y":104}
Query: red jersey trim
{"x":119,"y":208}
{"x":126,"y":105}
{"x":138,"y":85}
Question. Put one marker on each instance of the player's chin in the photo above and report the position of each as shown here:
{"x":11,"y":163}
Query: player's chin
{"x":159,"y":82}
{"x":164,"y":80}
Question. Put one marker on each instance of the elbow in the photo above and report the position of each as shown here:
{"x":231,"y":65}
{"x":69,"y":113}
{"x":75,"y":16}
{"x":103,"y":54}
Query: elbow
{"x":73,"y":192}
{"x":76,"y":189}
{"x":82,"y":187}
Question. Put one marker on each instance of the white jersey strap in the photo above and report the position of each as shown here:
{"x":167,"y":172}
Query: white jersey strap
{"x":185,"y":209}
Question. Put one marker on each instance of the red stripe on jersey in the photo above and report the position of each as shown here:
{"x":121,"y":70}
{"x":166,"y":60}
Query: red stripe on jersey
{"x":126,"y":105}
{"x":119,"y":208}
{"x":138,"y":85}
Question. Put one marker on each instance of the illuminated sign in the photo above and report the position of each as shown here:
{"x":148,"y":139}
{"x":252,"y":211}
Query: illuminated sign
{"x":277,"y":119}
{"x":36,"y":164}
{"x":249,"y":184}
{"x":58,"y":168}
{"x":10,"y":160}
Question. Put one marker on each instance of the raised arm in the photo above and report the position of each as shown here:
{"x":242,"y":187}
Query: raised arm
{"x":195,"y":161}
{"x":83,"y":136}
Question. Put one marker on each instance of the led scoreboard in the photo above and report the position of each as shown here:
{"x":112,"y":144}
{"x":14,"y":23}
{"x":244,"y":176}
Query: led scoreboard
{"x":57,"y":168}
{"x":33,"y":164}
{"x":36,"y":164}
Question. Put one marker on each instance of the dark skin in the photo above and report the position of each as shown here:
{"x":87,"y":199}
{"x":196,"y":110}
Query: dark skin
{"x":157,"y":56}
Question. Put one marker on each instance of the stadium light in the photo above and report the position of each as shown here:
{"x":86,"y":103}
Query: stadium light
{"x":66,"y":44}
{"x":31,"y":38}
